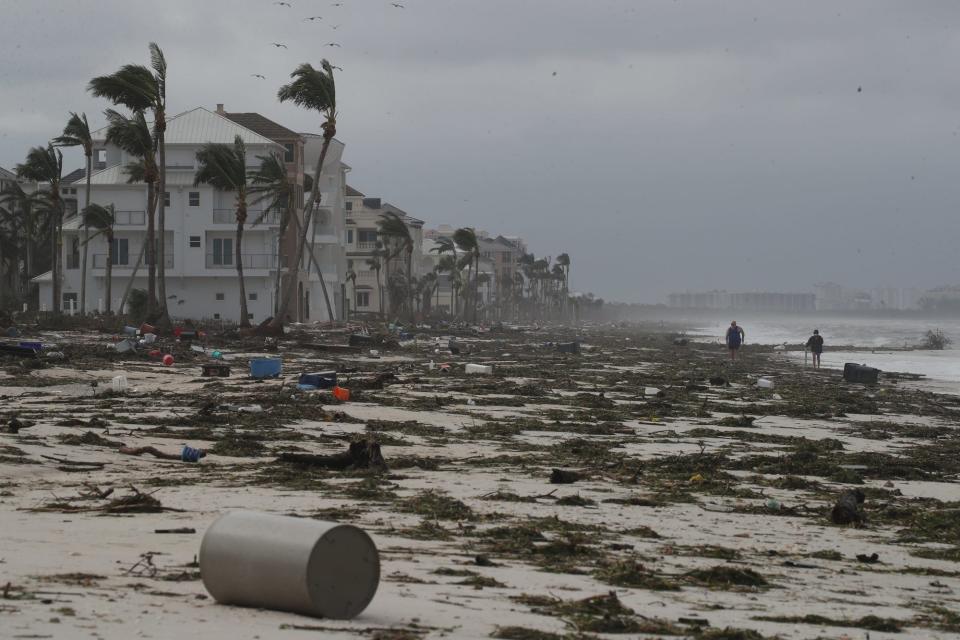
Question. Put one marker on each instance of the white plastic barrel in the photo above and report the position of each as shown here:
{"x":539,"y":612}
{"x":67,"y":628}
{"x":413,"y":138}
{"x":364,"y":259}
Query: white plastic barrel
{"x":291,"y":564}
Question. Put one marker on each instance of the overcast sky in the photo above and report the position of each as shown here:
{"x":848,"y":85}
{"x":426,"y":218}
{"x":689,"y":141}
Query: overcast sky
{"x":665,"y":145}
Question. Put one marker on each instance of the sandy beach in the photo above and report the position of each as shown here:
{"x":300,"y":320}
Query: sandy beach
{"x":701,"y":509}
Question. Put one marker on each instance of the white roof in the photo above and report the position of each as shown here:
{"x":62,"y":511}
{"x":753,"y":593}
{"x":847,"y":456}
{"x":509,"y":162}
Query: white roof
{"x":43,"y":277}
{"x":200,"y":125}
{"x":117,"y":176}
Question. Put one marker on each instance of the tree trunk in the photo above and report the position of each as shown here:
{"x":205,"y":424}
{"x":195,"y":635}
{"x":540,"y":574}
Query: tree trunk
{"x":323,"y":285}
{"x":55,"y":247}
{"x":284,"y":222}
{"x":109,"y":268}
{"x":278,"y":319}
{"x":410,"y":282}
{"x":161,"y":222}
{"x":151,"y":245}
{"x":241,"y":217}
{"x":86,"y":240}
{"x":133,"y":275}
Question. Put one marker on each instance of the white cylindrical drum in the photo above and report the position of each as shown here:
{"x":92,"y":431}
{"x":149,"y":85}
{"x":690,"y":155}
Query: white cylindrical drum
{"x":300,"y":565}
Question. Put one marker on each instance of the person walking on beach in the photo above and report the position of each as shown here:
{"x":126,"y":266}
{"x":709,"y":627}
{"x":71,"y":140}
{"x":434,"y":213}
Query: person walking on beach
{"x":735,"y":338}
{"x":815,"y":344}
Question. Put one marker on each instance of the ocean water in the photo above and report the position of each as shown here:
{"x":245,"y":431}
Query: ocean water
{"x":878,"y":335}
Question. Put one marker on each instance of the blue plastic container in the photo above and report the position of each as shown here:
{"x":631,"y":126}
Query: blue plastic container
{"x":265,"y":367}
{"x":36,"y":346}
{"x":320,"y":379}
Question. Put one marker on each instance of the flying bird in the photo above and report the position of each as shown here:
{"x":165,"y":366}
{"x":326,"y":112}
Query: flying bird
{"x":331,"y":44}
{"x":312,"y":18}
{"x":284,"y":4}
{"x":397,"y":5}
{"x":336,"y":4}
{"x":334,"y":26}
{"x":278,"y":45}
{"x":333,"y":66}
{"x":257,"y":75}
{"x":859,"y":89}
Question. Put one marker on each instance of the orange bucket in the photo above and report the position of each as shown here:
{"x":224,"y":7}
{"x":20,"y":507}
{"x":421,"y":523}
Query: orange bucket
{"x":341,"y":394}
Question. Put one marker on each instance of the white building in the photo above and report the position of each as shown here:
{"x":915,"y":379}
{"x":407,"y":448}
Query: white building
{"x":362,"y":215}
{"x":200,"y":227}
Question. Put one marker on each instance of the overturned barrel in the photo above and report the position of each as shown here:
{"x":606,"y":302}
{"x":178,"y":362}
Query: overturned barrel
{"x":291,"y":564}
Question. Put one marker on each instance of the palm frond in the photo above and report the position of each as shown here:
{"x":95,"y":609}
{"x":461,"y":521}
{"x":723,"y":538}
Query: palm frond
{"x":133,"y":86}
{"x":311,"y":88}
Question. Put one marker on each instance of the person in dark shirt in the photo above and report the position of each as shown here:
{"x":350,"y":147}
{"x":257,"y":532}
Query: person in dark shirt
{"x":735,"y":338}
{"x":815,"y":344}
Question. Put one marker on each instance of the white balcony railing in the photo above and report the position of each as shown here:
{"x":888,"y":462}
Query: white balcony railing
{"x":250,"y":261}
{"x":367,"y":245}
{"x":100,"y":261}
{"x":229,"y":216}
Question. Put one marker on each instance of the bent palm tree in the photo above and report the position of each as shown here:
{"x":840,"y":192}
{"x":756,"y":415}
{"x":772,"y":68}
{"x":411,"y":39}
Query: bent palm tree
{"x":27,"y":216}
{"x":351,"y":278}
{"x":225,"y":168}
{"x":140,"y":89}
{"x":46,"y":165}
{"x":391,"y":227}
{"x":102,"y":219}
{"x":375,"y":264}
{"x":312,"y":89}
{"x":466,"y":240}
{"x":271,"y":184}
{"x":76,"y":133}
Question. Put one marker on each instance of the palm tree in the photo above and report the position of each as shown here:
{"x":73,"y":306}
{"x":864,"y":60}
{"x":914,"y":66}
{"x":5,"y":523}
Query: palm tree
{"x":311,"y":89}
{"x":225,"y":168}
{"x":374,"y":263}
{"x":46,"y":165}
{"x":132,"y":135}
{"x":141,"y":89}
{"x":446,"y":264}
{"x":428,"y":284}
{"x":391,"y":227}
{"x":466,"y":240}
{"x":26,"y":216}
{"x":271,"y":184}
{"x":351,"y":278}
{"x":102,"y":219}
{"x":563,"y":261}
{"x":76,"y":133}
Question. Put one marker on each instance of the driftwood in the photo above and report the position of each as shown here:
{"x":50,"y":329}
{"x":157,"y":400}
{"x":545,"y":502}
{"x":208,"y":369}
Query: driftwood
{"x":847,"y":508}
{"x":362,"y":454}
{"x":564,"y":476}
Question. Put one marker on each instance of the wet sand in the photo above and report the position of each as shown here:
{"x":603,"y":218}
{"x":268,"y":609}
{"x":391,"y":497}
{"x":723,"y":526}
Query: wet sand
{"x":690,"y":520}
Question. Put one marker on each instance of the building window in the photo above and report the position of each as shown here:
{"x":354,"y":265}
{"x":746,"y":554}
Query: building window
{"x":349,"y":206}
{"x":100,"y":158}
{"x":363,"y":299}
{"x":220,"y":296}
{"x":216,"y":316}
{"x":288,"y":152}
{"x":69,"y":301}
{"x":349,"y":236}
{"x":194,"y":199}
{"x":349,"y":264}
{"x":166,"y":199}
{"x":73,"y":258}
{"x":252,"y":296}
{"x":121,"y":251}
{"x":249,"y":316}
{"x":195,"y":241}
{"x":222,"y":251}
{"x":366,"y":235}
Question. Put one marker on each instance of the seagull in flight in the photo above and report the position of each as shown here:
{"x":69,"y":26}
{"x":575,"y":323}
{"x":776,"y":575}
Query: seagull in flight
{"x":257,"y":75}
{"x":331,"y":44}
{"x":334,"y":26}
{"x":312,"y":18}
{"x":398,"y":5}
{"x":278,"y":45}
{"x":284,"y":4}
{"x":333,"y":66}
{"x":336,"y":4}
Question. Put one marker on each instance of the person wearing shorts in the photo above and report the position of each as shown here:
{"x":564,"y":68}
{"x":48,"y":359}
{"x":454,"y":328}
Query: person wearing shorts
{"x":815,"y":344}
{"x":735,"y":338}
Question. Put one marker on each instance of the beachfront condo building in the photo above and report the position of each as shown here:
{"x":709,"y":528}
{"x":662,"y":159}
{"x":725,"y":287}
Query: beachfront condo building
{"x":369,"y":292}
{"x":200,"y":253}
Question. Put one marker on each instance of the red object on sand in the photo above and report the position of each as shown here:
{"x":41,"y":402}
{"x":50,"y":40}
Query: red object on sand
{"x":167,"y":360}
{"x":155,"y":353}
{"x":341,"y":394}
